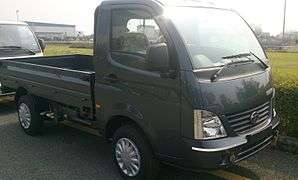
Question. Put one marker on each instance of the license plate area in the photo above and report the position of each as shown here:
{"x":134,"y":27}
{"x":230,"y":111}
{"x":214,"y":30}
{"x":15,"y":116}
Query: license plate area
{"x":255,"y":143}
{"x":259,"y":137}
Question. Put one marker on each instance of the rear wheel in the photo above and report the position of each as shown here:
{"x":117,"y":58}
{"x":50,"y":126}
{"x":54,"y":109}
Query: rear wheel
{"x":133,"y":154}
{"x":29,"y":115}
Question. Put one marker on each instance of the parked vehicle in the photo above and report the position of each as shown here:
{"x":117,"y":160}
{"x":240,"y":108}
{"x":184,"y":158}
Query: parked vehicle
{"x":17,"y":41}
{"x":198,"y":95}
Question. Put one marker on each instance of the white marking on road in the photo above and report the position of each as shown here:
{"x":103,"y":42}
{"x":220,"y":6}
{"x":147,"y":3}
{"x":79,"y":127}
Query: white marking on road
{"x":228,"y":175}
{"x":83,"y":128}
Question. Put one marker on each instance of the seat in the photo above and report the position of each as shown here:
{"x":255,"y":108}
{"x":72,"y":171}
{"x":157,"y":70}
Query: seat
{"x":135,"y":42}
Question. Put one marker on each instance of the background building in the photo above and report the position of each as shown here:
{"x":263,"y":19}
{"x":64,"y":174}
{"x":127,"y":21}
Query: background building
{"x":54,"y":32}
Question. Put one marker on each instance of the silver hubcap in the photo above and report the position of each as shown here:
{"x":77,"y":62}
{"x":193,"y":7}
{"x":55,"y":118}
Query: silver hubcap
{"x":128,"y":157}
{"x":24,"y":115}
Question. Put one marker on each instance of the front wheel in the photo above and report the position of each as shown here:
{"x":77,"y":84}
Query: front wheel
{"x":133,"y":154}
{"x":29,"y":115}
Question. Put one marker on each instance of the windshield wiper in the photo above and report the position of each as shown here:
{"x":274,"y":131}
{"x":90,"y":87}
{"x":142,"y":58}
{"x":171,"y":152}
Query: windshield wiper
{"x":19,"y":47}
{"x":247,"y":56}
{"x":216,"y":75}
{"x":261,"y":61}
{"x":237,"y":56}
{"x":242,"y":55}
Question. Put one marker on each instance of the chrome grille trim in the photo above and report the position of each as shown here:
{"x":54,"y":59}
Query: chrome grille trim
{"x":241,"y":122}
{"x":247,"y":151}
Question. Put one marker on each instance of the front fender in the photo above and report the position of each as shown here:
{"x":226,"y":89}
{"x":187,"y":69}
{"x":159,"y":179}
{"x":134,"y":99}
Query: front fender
{"x":131,"y":113}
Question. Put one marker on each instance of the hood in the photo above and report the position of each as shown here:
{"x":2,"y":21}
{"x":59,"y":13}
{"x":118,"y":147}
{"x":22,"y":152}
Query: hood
{"x":237,"y":95}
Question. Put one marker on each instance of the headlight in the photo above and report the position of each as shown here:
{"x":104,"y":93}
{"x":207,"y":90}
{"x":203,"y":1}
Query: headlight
{"x":207,"y":126}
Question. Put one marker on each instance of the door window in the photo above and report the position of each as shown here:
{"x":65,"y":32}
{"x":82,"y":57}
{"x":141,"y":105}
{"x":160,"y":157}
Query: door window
{"x":133,"y":32}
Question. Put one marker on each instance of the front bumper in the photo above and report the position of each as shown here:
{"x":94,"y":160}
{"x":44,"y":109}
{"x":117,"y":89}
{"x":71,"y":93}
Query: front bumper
{"x":214,"y":154}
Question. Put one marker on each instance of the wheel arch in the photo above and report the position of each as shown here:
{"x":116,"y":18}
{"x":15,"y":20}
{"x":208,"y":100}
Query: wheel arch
{"x":117,"y":121}
{"x":21,"y":91}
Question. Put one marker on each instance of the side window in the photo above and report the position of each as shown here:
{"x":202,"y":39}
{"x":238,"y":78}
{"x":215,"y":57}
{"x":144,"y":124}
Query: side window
{"x":133,"y":32}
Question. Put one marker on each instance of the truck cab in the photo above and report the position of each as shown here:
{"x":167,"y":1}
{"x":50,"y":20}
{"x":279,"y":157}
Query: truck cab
{"x":179,"y":82}
{"x":202,"y":80}
{"x":17,"y":41}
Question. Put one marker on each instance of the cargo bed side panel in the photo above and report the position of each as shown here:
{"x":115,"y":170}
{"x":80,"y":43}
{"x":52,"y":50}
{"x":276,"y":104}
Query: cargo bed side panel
{"x":69,"y":87}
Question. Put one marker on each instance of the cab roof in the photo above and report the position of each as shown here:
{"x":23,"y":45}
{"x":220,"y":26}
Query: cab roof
{"x":195,"y":3}
{"x":13,"y":23}
{"x":167,"y":3}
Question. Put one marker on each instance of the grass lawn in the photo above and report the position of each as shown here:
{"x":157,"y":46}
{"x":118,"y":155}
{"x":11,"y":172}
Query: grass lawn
{"x":63,"y":49}
{"x":285,"y":73}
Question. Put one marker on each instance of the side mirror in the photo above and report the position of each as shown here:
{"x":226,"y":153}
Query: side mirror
{"x":42,"y":44}
{"x":158,"y":57}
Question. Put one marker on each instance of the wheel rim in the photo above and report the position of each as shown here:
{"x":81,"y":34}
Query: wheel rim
{"x":128,"y":157}
{"x":25,"y":116}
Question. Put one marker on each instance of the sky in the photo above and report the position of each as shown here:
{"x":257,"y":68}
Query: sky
{"x":265,"y":13}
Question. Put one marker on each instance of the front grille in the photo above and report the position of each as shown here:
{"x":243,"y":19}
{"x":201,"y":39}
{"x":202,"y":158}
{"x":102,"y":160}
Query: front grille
{"x":241,"y":123}
{"x":249,"y":150}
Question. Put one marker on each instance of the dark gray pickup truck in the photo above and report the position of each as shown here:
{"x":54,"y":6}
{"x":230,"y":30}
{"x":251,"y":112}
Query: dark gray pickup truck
{"x":187,"y":89}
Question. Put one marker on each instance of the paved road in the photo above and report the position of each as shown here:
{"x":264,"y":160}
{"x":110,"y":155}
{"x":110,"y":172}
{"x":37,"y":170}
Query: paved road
{"x":62,"y":152}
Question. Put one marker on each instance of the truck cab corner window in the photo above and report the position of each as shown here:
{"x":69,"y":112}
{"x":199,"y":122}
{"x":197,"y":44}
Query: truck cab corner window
{"x":134,"y":35}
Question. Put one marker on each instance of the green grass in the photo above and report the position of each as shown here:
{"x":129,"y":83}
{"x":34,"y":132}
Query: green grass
{"x":64,"y":49}
{"x":285,"y":74}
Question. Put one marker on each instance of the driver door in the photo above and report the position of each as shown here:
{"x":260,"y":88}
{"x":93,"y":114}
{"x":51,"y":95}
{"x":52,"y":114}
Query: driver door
{"x":130,"y":88}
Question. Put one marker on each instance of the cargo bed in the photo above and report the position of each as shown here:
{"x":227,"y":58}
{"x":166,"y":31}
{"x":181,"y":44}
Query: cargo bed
{"x":64,"y":79}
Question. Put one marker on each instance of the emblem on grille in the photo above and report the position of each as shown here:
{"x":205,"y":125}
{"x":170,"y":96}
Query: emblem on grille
{"x":255,"y":116}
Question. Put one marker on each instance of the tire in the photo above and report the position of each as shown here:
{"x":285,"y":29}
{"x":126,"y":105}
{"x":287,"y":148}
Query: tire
{"x":148,"y":165}
{"x":29,"y":115}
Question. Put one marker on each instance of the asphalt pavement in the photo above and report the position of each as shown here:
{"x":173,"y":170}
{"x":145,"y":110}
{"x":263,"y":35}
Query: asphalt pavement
{"x":62,"y":152}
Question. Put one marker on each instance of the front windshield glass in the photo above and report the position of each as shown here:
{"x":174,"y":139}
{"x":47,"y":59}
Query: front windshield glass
{"x":211,"y":34}
{"x":18,"y":36}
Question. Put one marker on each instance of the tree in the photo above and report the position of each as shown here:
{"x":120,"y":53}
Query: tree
{"x":257,"y":29}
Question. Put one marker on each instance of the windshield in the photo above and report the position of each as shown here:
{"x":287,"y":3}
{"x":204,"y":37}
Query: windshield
{"x":18,"y":36}
{"x":211,"y":34}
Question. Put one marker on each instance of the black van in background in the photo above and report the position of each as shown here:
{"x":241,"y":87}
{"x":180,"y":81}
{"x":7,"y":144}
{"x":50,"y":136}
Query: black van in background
{"x":17,"y":41}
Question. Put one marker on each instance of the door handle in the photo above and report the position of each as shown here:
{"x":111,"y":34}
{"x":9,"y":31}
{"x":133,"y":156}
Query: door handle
{"x":112,"y":78}
{"x":171,"y":74}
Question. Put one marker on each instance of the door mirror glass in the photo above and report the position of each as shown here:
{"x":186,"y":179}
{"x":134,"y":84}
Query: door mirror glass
{"x":42,"y":44}
{"x":158,"y":57}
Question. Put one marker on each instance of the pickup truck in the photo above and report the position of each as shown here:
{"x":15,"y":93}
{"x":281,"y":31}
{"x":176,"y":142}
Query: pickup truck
{"x":191,"y":89}
{"x":17,"y":41}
